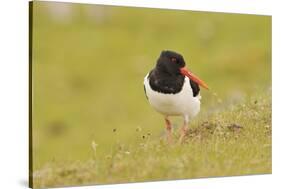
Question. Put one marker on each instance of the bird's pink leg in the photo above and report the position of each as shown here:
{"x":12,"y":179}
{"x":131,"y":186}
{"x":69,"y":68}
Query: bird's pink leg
{"x":184,"y":130}
{"x":169,"y":130}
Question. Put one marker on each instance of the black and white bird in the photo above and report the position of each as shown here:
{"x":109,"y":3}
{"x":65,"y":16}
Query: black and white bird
{"x":173,"y":90}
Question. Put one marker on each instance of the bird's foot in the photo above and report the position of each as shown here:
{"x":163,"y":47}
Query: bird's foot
{"x":181,"y":139}
{"x":170,"y":138}
{"x":183,"y":134}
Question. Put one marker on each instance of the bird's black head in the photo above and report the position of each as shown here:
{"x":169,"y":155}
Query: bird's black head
{"x":170,"y":62}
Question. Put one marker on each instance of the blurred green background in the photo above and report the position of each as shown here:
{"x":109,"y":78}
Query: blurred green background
{"x":89,"y":63}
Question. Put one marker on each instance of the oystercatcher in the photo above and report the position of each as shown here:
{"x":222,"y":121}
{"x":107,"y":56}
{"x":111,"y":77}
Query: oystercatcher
{"x":173,"y":90}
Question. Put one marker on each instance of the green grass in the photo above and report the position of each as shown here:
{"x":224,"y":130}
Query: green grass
{"x":235,"y":141}
{"x":74,"y":103}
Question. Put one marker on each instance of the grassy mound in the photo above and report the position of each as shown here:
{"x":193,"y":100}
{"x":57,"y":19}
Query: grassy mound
{"x":234,"y":141}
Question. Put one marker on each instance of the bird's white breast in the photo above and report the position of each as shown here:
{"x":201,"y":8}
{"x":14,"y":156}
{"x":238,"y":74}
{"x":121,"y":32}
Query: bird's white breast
{"x":182,"y":103}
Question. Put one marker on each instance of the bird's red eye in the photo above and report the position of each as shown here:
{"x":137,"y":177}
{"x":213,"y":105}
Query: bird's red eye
{"x":174,"y":60}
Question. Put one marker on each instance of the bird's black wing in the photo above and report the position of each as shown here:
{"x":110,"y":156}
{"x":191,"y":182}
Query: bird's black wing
{"x":195,"y":88}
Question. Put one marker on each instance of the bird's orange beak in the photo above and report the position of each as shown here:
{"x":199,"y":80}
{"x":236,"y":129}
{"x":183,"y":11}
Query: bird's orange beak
{"x":190,"y":75}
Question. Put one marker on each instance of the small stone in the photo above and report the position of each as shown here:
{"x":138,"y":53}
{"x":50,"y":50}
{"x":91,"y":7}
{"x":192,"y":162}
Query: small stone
{"x":138,"y":129}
